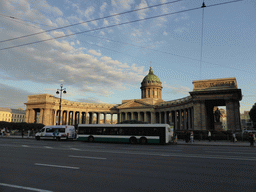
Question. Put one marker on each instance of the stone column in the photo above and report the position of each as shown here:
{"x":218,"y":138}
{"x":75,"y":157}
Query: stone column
{"x":199,"y":116}
{"x":180,"y":120}
{"x":132,"y":115}
{"x":111,"y":118}
{"x":189,"y":118}
{"x":54,"y":116}
{"x":104,"y":118}
{"x":119,"y":117}
{"x":28,"y":111}
{"x":98,"y":118}
{"x":125,"y":116}
{"x":153,"y":117}
{"x":185,"y":119}
{"x":47,"y":117}
{"x":233,"y":115}
{"x":176,"y":120}
{"x":41,"y":115}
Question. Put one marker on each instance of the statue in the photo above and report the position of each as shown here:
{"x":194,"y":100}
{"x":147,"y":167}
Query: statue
{"x":217,"y":115}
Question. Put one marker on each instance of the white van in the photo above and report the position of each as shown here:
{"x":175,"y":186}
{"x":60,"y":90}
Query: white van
{"x":57,"y":132}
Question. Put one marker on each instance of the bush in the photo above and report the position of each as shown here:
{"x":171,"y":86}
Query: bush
{"x":20,"y":126}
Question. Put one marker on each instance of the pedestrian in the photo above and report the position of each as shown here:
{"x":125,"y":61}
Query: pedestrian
{"x":251,"y":140}
{"x":28,"y":133}
{"x":234,"y":137}
{"x":22,"y":133}
{"x":209,"y":136}
{"x":32,"y":132}
{"x":191,"y":137}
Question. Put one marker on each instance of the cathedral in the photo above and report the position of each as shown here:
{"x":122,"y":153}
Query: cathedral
{"x":194,"y":112}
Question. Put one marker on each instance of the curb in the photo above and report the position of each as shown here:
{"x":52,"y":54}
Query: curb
{"x":179,"y":143}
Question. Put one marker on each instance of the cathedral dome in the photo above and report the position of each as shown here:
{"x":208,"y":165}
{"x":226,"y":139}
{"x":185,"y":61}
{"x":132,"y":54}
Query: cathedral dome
{"x":151,"y":86}
{"x":151,"y":77}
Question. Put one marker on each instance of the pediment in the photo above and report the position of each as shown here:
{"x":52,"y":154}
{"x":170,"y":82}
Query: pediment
{"x":133,"y":104}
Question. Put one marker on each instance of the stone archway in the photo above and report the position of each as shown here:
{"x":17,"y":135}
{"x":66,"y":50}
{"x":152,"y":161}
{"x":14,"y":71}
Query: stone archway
{"x":216,"y":92}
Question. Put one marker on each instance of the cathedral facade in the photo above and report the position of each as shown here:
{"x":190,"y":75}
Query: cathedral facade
{"x":194,"y":112}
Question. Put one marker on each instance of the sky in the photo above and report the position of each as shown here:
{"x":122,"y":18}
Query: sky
{"x":100,"y":50}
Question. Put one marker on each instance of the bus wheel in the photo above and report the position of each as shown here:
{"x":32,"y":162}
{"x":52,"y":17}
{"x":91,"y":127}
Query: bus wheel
{"x":37,"y":138}
{"x":90,"y":139}
{"x":133,"y":140}
{"x":143,"y":140}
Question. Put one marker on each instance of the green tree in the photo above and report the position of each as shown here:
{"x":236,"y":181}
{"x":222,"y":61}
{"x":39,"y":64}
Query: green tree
{"x":252,"y":114}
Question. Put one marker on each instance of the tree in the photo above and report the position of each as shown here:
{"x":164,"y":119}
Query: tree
{"x":252,"y":114}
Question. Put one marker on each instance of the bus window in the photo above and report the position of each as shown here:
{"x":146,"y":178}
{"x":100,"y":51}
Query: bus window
{"x":120,"y":131}
{"x":99,"y":131}
{"x":113,"y":131}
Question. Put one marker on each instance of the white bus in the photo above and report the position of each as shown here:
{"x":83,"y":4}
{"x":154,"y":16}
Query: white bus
{"x":127,"y":133}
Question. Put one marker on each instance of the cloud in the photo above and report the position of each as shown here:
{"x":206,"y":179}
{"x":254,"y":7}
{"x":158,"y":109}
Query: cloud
{"x":43,"y":5}
{"x":123,"y":4}
{"x":180,"y":29}
{"x":18,"y":96}
{"x":93,"y":52}
{"x":142,"y":13}
{"x":89,"y":11}
{"x":176,"y":90}
{"x":105,"y":22}
{"x":103,"y":7}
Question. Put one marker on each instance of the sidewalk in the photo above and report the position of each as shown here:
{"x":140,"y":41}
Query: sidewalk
{"x":180,"y":142}
{"x":216,"y":143}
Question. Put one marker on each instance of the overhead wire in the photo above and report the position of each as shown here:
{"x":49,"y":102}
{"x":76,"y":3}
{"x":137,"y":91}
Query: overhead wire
{"x":130,"y":43}
{"x":110,"y":26}
{"x":113,"y":15}
{"x":202,"y":37}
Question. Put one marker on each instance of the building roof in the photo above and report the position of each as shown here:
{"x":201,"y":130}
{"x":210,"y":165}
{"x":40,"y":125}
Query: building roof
{"x":19,"y":111}
{"x":151,"y":76}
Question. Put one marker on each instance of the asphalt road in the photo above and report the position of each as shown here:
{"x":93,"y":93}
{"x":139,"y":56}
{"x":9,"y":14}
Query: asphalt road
{"x":30,"y":165}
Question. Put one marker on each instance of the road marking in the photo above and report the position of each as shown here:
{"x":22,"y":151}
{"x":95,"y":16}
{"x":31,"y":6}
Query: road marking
{"x":59,"y":166}
{"x":22,"y":187}
{"x":235,"y":152}
{"x":86,"y":157}
{"x":24,"y":145}
{"x":47,"y":147}
{"x":212,"y":157}
{"x":75,"y":149}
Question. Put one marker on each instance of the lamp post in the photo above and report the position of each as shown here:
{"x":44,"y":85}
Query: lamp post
{"x":59,"y":91}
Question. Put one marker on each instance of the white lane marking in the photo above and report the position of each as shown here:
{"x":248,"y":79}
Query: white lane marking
{"x":22,"y":187}
{"x":151,"y":149}
{"x":242,"y":153}
{"x":86,"y":157}
{"x":58,"y":166}
{"x":24,"y":145}
{"x":213,"y":157}
{"x":75,"y":149}
{"x":47,"y":147}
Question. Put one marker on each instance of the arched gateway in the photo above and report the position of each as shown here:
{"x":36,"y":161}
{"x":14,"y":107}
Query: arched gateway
{"x":194,"y":112}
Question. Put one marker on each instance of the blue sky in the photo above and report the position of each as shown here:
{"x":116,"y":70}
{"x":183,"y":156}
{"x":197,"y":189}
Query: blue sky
{"x":107,"y":64}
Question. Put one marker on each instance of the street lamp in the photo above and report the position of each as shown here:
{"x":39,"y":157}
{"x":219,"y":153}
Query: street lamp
{"x":59,"y":91}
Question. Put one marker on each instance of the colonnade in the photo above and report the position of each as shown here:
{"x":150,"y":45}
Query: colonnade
{"x":67,"y":117}
{"x":182,"y":118}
